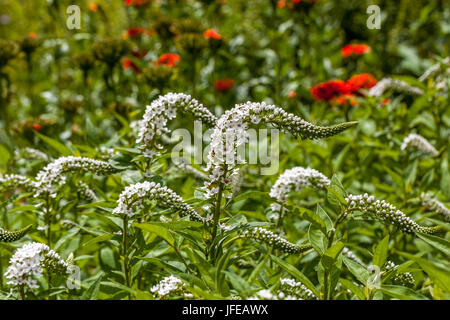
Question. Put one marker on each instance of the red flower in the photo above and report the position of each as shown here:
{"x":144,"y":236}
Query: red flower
{"x":290,"y":3}
{"x":37,"y":126}
{"x":385,"y":101}
{"x":212,"y":34}
{"x":135,"y":32}
{"x":329,"y":89}
{"x":361,"y":81}
{"x":356,"y":49}
{"x":136,"y":3}
{"x":344,"y":99}
{"x":93,"y":6}
{"x":32,"y":35}
{"x":169,"y":59}
{"x":127,"y":63}
{"x":292,"y":94}
{"x":222,"y":85}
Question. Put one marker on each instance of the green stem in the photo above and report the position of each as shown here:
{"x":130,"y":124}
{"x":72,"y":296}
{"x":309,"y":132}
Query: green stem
{"x":325,"y":293}
{"x":217,"y":212}
{"x":124,"y":248}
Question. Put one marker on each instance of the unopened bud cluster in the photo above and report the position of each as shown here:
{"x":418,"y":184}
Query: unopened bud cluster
{"x":134,"y":196}
{"x":386,"y":212}
{"x":10,"y":236}
{"x":349,"y":254}
{"x":405,"y":279}
{"x":275,"y":241}
{"x":296,"y":289}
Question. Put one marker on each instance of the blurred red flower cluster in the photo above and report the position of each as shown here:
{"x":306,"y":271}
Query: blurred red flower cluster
{"x":354,"y":49}
{"x":212,"y":34}
{"x":137,"y":3}
{"x":223,"y":85}
{"x":169,"y":59}
{"x":342,"y":92}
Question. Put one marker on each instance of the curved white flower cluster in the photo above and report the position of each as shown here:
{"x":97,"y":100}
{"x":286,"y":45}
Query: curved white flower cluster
{"x":420,"y":143}
{"x":275,"y":241}
{"x":349,"y":254}
{"x":154,"y":123}
{"x":85,"y":192}
{"x":230,"y":133}
{"x":169,"y":285}
{"x":186,"y":167}
{"x":435,"y":205}
{"x":107,"y":153}
{"x":405,"y":279}
{"x":133,"y":197}
{"x":386,"y":212}
{"x":53,"y":173}
{"x":434,"y":69}
{"x":296,"y":179}
{"x":28,"y":262}
{"x":297,"y":289}
{"x":15,"y":181}
{"x":394,"y":84}
{"x":31,"y":153}
{"x":264,"y":294}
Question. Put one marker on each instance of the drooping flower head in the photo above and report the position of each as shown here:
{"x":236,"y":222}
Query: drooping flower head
{"x":134,"y":196}
{"x":386,"y":213}
{"x":53,"y":174}
{"x":416,"y":141}
{"x":154,"y":123}
{"x":296,"y":179}
{"x":230,"y":133}
{"x":395,"y":85}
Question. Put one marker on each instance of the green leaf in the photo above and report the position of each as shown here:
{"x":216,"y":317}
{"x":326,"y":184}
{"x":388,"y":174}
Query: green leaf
{"x":357,"y":270}
{"x":58,"y":146}
{"x":310,"y":216}
{"x":336,"y":192}
{"x":330,"y":256}
{"x":325,"y":218}
{"x":92,"y":292}
{"x":439,"y":243}
{"x":381,"y":252}
{"x":438,"y":274}
{"x":347,"y":284}
{"x":402,"y":293}
{"x":158,"y":230}
{"x":103,"y":237}
{"x":317,"y":239}
{"x":4,"y":156}
{"x":295,"y":273}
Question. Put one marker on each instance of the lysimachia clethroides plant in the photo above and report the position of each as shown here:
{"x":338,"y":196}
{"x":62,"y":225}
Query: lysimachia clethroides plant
{"x":204,"y":247}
